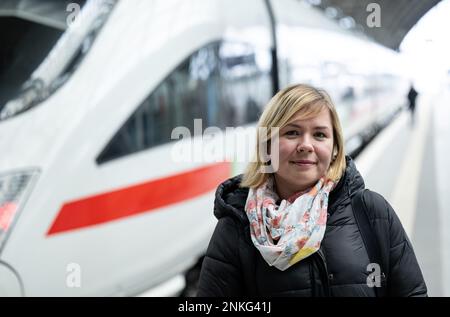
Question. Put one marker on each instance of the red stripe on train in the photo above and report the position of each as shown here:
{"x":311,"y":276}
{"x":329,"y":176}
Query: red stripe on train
{"x":139,"y":199}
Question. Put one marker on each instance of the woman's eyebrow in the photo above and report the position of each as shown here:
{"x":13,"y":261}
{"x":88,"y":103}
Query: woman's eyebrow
{"x":322,"y":128}
{"x":293,"y":125}
{"x":315,"y":128}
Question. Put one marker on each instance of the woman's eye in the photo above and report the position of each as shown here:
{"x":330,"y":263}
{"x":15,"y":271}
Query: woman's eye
{"x":321,"y":135}
{"x":292,"y":132}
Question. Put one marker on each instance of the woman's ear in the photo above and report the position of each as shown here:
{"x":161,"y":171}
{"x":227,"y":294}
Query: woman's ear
{"x":335,"y":153}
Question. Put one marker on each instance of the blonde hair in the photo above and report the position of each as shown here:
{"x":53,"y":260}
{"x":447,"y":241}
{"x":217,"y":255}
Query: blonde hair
{"x":280,"y":109}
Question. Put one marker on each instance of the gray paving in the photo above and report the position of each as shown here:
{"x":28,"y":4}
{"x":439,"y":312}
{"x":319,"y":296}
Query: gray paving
{"x":380,"y":178}
{"x":441,"y":128}
{"x":426,"y":234}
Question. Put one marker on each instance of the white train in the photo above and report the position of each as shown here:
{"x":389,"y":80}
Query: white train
{"x":92,"y":201}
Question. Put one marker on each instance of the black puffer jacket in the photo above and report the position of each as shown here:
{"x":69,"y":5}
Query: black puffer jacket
{"x":234,"y":267}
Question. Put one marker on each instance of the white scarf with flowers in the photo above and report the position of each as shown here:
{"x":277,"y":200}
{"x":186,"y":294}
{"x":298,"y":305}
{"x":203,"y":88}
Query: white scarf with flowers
{"x":292,"y":231}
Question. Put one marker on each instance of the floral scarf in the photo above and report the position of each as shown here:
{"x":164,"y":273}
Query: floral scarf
{"x":292,"y":231}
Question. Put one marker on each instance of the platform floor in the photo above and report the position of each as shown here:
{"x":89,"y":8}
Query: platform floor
{"x":409,"y":165}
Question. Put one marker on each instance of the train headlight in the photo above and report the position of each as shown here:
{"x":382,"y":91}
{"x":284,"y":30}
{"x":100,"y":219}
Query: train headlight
{"x":14,"y":190}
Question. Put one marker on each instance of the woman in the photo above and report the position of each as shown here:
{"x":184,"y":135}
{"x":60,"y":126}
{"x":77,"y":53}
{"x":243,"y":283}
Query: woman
{"x":287,"y":227}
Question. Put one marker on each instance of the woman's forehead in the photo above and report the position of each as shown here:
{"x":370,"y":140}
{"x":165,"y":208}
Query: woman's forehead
{"x":322,"y":117}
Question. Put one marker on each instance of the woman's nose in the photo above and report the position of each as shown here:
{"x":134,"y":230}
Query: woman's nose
{"x":305,"y":145}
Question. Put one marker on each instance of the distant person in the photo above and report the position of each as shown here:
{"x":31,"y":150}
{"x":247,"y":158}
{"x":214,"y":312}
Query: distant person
{"x":412,"y":95}
{"x":252,"y":111}
{"x":308,"y":227}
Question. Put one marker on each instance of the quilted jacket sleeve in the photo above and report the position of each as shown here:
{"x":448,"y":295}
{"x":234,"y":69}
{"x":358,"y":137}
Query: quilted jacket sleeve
{"x":221,"y":273}
{"x":405,"y":277}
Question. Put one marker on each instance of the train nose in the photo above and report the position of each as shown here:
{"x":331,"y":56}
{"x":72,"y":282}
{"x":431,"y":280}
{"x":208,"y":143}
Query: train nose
{"x":10,"y":285}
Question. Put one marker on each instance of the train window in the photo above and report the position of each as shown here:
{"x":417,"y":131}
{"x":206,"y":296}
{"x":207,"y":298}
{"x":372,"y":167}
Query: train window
{"x":224,"y":84}
{"x":41,"y":49}
{"x":19,"y":55}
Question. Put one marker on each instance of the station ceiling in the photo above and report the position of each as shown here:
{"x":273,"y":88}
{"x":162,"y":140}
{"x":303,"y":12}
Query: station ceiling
{"x":397,"y":17}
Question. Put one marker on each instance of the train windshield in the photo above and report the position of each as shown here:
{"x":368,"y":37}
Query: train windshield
{"x":42,"y":43}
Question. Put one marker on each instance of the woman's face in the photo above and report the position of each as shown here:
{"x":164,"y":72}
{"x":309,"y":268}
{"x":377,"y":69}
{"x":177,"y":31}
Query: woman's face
{"x":305,"y":150}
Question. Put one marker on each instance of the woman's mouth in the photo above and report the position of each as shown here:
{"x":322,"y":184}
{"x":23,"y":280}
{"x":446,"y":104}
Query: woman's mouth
{"x":304,"y":163}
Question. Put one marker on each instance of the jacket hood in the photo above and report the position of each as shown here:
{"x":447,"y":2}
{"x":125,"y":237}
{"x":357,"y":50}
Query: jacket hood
{"x":230,"y":197}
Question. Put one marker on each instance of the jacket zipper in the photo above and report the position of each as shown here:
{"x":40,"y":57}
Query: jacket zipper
{"x":324,"y":267}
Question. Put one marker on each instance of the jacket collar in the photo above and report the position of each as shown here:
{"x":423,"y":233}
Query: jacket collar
{"x":230,"y":199}
{"x":350,"y":183}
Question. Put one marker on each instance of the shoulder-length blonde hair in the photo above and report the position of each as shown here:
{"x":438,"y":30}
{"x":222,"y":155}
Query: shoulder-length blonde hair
{"x":280,"y":109}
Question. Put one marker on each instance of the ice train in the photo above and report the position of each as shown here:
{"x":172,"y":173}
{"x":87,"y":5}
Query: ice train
{"x":92,"y":201}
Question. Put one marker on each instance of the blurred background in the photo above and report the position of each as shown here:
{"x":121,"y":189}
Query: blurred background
{"x":118,"y":119}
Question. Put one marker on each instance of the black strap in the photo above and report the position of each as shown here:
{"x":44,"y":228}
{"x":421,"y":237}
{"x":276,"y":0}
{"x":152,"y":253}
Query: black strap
{"x":368,"y":236}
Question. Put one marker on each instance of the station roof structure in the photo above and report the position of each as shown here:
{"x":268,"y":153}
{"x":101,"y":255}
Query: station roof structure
{"x":397,"y":17}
